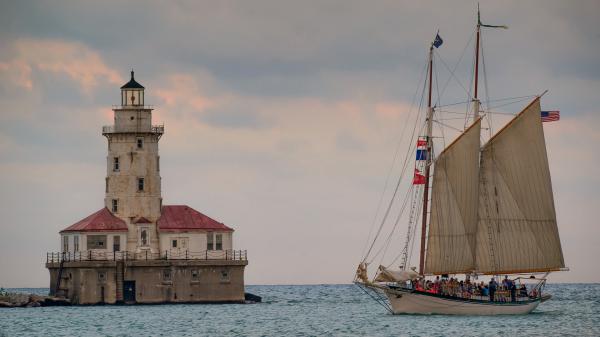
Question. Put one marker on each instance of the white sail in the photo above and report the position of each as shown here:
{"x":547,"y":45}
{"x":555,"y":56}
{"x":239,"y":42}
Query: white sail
{"x":517,"y":229}
{"x":454,"y":203}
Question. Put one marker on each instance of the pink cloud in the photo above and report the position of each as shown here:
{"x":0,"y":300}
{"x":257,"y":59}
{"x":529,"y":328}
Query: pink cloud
{"x":18,"y":72}
{"x":79,"y":62}
{"x":185,"y":91}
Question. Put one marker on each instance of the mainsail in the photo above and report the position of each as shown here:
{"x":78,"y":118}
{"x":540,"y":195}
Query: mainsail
{"x":494,"y":214}
{"x":451,"y":237}
{"x":517,"y":229}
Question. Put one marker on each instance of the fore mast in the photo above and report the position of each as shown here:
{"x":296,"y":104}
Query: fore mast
{"x":427,"y":161}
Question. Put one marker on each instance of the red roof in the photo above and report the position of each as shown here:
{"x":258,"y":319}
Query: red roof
{"x":176,"y":218}
{"x":101,"y":221}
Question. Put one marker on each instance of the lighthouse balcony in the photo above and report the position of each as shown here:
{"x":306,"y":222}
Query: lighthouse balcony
{"x":172,"y":254}
{"x":152,"y":129}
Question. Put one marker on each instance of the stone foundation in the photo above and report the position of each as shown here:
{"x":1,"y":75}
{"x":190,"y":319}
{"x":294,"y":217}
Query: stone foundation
{"x":150,"y":281}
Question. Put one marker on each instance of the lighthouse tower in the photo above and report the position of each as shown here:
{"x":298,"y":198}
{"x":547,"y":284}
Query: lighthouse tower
{"x":133,"y":191}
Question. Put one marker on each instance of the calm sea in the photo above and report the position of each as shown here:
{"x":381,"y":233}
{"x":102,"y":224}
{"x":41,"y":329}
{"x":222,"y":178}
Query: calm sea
{"x":316,"y":310}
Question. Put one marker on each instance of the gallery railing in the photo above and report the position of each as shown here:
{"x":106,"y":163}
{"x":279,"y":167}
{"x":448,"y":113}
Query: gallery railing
{"x":97,"y":255}
{"x":155,"y":129}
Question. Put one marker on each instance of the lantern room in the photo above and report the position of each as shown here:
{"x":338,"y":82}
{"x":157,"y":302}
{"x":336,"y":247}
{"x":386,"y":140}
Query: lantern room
{"x":132,"y":93}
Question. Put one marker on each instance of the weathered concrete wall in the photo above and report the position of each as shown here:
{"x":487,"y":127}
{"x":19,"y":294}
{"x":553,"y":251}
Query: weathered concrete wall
{"x":185,"y":281}
{"x":86,"y":282}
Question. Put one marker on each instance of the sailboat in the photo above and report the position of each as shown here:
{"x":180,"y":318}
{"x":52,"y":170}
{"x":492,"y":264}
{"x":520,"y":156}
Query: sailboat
{"x":491,"y":213}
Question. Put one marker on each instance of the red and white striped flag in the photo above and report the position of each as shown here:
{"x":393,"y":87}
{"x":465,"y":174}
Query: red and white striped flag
{"x":550,"y":116}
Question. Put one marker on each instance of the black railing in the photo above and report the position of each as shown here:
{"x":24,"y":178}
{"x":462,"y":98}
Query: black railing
{"x":99,"y":255}
{"x":156,"y":129}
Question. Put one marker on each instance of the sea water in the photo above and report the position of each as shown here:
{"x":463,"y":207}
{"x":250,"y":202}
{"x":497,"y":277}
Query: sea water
{"x":312,"y":310}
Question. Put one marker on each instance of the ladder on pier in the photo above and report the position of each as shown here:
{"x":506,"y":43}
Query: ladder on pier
{"x":59,"y":291}
{"x":119,"y":275}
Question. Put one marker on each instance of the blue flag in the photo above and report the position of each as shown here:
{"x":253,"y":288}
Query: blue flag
{"x":438,"y":41}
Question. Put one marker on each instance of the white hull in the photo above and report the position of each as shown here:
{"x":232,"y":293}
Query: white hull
{"x":404,"y":302}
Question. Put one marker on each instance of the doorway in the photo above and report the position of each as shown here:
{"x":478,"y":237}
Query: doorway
{"x":129,"y":291}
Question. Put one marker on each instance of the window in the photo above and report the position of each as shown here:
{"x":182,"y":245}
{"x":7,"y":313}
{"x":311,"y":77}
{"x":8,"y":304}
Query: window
{"x":116,"y":243}
{"x":115,"y":205}
{"x":140,"y":143}
{"x":166,"y":275}
{"x":102,"y":276}
{"x":174,"y":243}
{"x":76,"y":243}
{"x":140,"y":184}
{"x":219,"y":242}
{"x":116,"y":164}
{"x":157,"y":163}
{"x":96,"y":241}
{"x":106,"y":185}
{"x":224,"y":275}
{"x":195,"y":275}
{"x":209,"y":241}
{"x":65,"y":243}
{"x":144,"y":236}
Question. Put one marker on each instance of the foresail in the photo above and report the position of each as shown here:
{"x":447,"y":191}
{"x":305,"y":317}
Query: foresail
{"x":451,"y":236}
{"x":517,"y":229}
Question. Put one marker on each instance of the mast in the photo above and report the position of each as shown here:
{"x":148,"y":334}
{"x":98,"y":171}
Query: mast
{"x":475,"y":97}
{"x":427,"y":165}
{"x":476,"y":102}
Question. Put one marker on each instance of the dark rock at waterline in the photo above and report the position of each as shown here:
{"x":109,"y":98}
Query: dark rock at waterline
{"x":251,"y":298}
{"x":56,"y":301}
{"x":17,"y":300}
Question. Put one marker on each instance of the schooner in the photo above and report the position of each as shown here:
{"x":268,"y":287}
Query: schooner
{"x":490,"y":214}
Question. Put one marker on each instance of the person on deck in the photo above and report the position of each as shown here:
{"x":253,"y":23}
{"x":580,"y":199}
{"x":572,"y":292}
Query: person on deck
{"x":492,"y":287}
{"x":436,"y":285}
{"x":523,"y":290}
{"x":513,"y":291}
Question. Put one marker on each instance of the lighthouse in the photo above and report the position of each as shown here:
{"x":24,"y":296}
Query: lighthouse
{"x":135,"y":249}
{"x":133,"y":184}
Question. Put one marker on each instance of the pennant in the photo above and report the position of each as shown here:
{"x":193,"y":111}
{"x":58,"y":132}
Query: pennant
{"x":550,"y":116}
{"x":422,"y":154}
{"x":418,"y":179}
{"x":438,"y":41}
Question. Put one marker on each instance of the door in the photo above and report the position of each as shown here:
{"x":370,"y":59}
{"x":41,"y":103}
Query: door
{"x":129,"y":291}
{"x":179,"y":247}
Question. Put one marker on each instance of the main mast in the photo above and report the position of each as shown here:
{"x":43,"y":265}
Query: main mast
{"x":427,"y":165}
{"x":475,"y":97}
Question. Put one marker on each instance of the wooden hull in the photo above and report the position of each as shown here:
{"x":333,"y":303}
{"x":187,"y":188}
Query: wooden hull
{"x":408,"y":302}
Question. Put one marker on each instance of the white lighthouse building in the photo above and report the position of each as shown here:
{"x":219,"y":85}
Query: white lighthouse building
{"x":135,"y":239}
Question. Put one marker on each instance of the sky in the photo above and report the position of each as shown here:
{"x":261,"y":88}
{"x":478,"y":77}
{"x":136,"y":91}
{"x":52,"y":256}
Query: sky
{"x":281,"y":118}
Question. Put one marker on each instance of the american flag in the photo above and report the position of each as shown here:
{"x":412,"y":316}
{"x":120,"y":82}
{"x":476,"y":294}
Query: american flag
{"x":550,"y":116}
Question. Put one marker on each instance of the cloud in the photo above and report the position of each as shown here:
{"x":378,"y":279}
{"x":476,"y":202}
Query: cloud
{"x":17,"y":72}
{"x":77,"y":61}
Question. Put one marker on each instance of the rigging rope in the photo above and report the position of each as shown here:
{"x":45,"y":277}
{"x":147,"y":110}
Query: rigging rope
{"x":385,"y":246}
{"x":452,"y":75}
{"x":402,"y":171}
